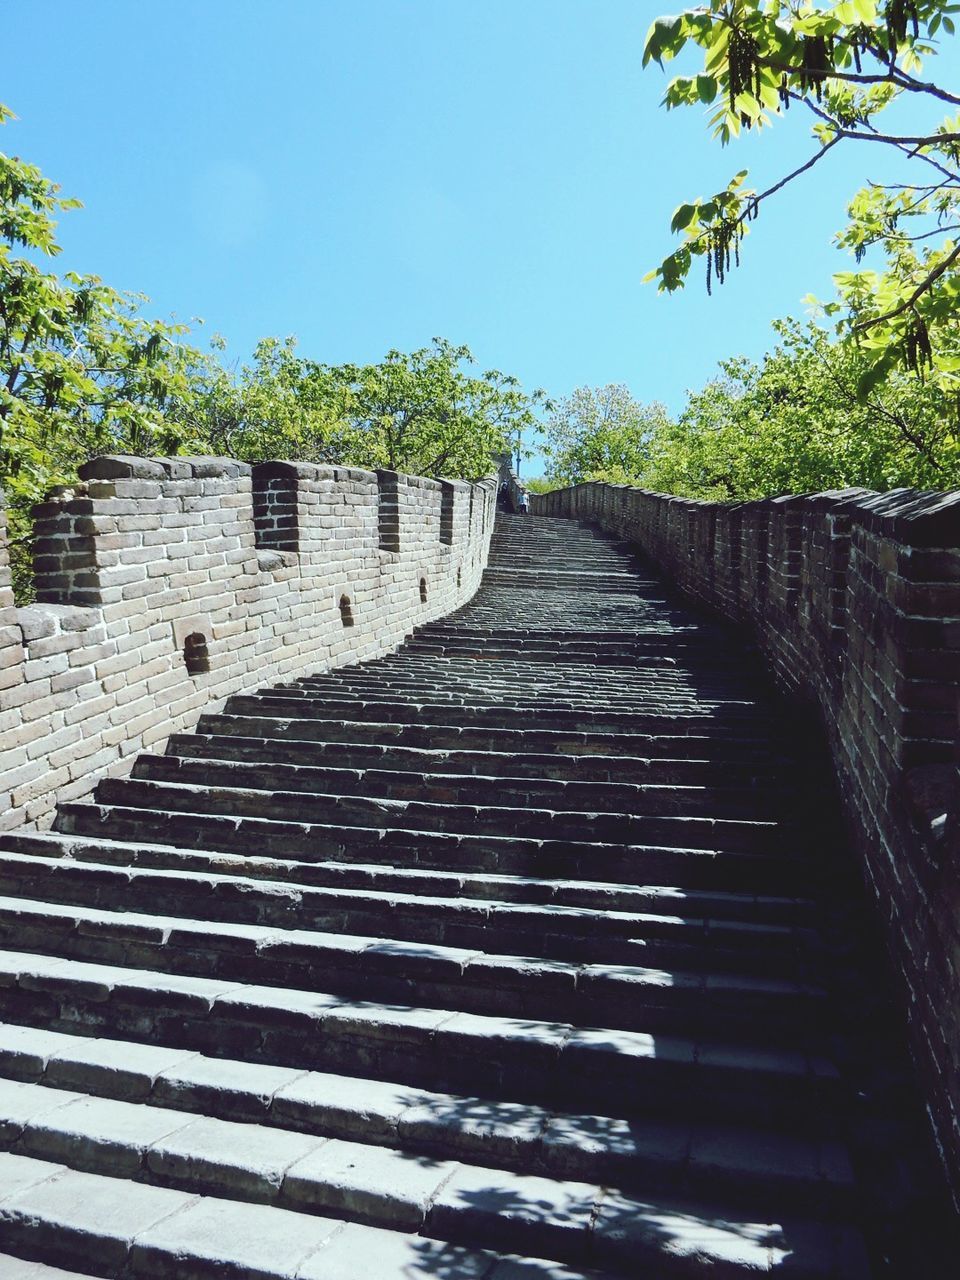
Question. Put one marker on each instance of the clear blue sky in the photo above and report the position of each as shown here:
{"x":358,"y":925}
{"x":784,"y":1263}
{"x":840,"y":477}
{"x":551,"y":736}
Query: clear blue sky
{"x":367,"y":174}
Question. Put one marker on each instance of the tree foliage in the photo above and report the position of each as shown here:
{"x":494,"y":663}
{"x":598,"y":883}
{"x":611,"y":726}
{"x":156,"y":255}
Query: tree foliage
{"x":843,"y":65}
{"x":792,"y":422}
{"x":599,"y":433}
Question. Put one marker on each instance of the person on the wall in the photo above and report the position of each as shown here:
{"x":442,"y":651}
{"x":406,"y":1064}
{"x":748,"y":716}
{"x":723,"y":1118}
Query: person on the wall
{"x":524,"y":504}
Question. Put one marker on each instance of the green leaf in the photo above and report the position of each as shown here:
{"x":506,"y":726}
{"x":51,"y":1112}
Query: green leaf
{"x":682,"y":217}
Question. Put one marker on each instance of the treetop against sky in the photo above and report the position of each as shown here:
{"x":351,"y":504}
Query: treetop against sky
{"x":368,"y":174}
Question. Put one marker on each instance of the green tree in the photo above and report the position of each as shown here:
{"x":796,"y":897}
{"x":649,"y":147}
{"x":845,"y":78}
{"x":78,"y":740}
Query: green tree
{"x":600,"y":433}
{"x":844,"y":65}
{"x":429,"y":413}
{"x":795,"y":422}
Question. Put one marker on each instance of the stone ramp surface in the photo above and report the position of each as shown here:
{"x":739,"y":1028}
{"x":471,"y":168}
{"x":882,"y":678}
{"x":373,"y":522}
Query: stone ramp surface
{"x":528,"y":952}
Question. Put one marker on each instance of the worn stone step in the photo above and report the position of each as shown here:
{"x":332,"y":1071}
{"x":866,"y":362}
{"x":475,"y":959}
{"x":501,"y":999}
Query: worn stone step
{"x":686,"y":902}
{"x":734,"y":835}
{"x":331,"y":728}
{"x":490,"y":684}
{"x":515,"y":631}
{"x":620,"y":769}
{"x":622,"y":996}
{"x":469,"y":789}
{"x":489,"y":687}
{"x":53,"y":1212}
{"x":680,"y":1157}
{"x":552,"y":931}
{"x":603,"y":1070}
{"x":457,"y":920}
{"x":686,"y":867}
{"x":381,"y":1186}
{"x":622,"y":709}
{"x":717,"y":724}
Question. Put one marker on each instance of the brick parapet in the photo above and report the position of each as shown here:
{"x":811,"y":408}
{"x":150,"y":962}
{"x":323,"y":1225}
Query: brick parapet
{"x":143,"y":556}
{"x":854,"y":600}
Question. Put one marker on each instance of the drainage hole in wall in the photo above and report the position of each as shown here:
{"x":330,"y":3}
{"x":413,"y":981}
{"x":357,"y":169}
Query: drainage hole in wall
{"x":346,"y":612}
{"x":423,"y":591}
{"x":196,"y":655}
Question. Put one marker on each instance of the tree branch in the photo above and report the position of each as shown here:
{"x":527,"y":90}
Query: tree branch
{"x":922,"y":288}
{"x":895,"y":76}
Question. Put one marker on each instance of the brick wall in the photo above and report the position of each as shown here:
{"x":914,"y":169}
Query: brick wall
{"x":164,"y":585}
{"x":854,"y":599}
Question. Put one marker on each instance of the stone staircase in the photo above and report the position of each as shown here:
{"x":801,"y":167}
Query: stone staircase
{"x":529,"y":952}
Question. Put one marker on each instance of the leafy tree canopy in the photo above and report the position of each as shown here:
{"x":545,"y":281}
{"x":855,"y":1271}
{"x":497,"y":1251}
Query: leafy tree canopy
{"x":793,"y":422}
{"x":843,"y":65}
{"x":599,"y":432}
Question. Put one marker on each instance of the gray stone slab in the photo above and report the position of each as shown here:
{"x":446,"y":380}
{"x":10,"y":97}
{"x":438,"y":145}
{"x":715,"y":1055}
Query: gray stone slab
{"x":377,"y":1184}
{"x":262,"y":1005}
{"x":572,"y":1143}
{"x":475,"y":1127}
{"x":396,"y":1023}
{"x":115,"y":1068}
{"x":480,"y":1033}
{"x":728,"y":1151}
{"x":235,"y":1090}
{"x":627,"y":1232}
{"x":22,"y":1103}
{"x":80,"y":1215}
{"x":25,"y":1051}
{"x":214,"y":1238}
{"x":532,"y":1215}
{"x":100,"y":1134}
{"x":358,"y":1252}
{"x":18,"y":1173}
{"x":345,"y":1106}
{"x":228,"y":1158}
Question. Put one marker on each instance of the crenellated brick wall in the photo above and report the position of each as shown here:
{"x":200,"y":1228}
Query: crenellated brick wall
{"x":854,"y":599}
{"x":164,"y":585}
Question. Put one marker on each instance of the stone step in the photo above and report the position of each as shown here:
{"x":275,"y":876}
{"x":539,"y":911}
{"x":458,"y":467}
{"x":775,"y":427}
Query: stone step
{"x":321,"y":1176}
{"x":554,"y":931}
{"x":468,"y":789}
{"x":728,"y":724}
{"x":620,"y":769}
{"x":516,"y":632}
{"x":683,"y":1158}
{"x":486,"y":686}
{"x":734,"y":835}
{"x":686,"y":867}
{"x":489,"y":695}
{"x":384,"y":969}
{"x":539,"y":660}
{"x":709,"y":906}
{"x":317,"y":727}
{"x":638,"y":676}
{"x":605,"y":1071}
{"x":130,"y":1229}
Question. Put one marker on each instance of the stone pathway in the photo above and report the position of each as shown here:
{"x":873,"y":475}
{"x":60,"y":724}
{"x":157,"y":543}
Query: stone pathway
{"x":525,"y":953}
